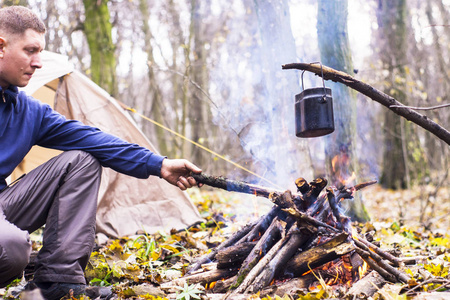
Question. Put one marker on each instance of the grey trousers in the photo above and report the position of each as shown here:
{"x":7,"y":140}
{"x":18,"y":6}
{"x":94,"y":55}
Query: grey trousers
{"x":62,"y":194}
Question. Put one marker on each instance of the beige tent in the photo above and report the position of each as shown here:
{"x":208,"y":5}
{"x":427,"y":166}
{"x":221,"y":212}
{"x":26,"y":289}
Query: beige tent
{"x":125,"y":204}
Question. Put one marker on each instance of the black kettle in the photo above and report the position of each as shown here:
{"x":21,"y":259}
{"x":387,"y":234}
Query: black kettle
{"x":314,"y":112}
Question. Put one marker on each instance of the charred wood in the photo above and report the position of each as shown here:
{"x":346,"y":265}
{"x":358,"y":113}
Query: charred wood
{"x":291,"y":287}
{"x":222,"y":286}
{"x":230,"y":241}
{"x":316,"y":186}
{"x":394,"y":274}
{"x":301,"y":216}
{"x":312,"y":258}
{"x":334,"y":207}
{"x":374,"y":266}
{"x":386,"y":255}
{"x":261,"y":225}
{"x":297,"y":238}
{"x":302,"y":185}
{"x":348,"y":267}
{"x":205,"y":278}
{"x":233,"y":256}
{"x":238,"y":186}
{"x":270,"y":237}
{"x":254,"y":272}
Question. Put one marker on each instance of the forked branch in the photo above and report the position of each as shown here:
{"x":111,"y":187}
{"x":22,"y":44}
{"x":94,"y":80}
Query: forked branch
{"x":376,"y":95}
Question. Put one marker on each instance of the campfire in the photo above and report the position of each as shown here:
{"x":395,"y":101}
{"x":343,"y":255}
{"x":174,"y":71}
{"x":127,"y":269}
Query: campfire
{"x":304,"y":241}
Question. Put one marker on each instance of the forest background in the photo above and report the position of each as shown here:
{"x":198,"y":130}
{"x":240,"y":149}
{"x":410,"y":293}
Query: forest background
{"x":211,"y":71}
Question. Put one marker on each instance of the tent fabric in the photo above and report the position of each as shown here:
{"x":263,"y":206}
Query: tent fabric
{"x":126,"y":204}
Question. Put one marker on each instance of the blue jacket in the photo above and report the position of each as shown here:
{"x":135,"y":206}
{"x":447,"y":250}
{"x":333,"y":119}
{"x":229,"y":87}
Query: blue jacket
{"x":25,"y":121}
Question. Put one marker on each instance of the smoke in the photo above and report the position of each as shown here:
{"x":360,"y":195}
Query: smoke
{"x":256,"y":97}
{"x":259,"y":95}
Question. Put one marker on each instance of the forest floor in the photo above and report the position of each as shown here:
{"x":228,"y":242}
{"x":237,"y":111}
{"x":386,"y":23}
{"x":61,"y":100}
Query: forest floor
{"x":415,"y":222}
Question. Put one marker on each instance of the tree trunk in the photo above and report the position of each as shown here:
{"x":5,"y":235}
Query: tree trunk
{"x":14,"y":2}
{"x":97,"y":28}
{"x":435,"y":150}
{"x":199,"y":114}
{"x":400,"y":167}
{"x":341,"y":158}
{"x":152,"y":105}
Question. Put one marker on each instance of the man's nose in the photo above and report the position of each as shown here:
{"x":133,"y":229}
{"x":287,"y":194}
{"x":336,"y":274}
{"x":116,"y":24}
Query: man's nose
{"x":36,"y":62}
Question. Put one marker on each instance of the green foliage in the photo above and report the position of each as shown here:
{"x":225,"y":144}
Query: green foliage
{"x":190,"y":291}
{"x":97,"y":268}
{"x":102,"y":281}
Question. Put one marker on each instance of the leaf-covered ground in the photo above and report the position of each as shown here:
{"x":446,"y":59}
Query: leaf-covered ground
{"x":414,"y":222}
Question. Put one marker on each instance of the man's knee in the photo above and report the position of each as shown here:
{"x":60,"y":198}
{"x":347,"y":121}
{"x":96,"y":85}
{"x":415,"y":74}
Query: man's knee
{"x":83,"y":158}
{"x":15,"y":248}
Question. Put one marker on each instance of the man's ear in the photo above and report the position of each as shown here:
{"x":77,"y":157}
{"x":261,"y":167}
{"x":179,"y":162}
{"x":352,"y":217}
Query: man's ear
{"x":2,"y":46}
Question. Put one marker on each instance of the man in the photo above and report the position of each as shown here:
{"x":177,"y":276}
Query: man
{"x":62,"y":193}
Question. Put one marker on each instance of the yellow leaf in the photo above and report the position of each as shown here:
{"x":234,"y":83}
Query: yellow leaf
{"x":439,"y":241}
{"x":116,"y":246}
{"x":170,"y":248}
{"x":154,"y":255}
{"x":437,"y":269}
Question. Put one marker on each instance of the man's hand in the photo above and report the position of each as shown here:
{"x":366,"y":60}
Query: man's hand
{"x":176,"y":172}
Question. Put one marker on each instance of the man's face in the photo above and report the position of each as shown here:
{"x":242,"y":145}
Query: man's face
{"x":20,"y":56}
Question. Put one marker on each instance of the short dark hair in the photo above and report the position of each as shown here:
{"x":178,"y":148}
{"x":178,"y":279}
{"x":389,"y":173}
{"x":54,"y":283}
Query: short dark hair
{"x":17,"y":19}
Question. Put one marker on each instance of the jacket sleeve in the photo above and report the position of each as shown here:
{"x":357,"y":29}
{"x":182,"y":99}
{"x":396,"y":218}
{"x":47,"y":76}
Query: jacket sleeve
{"x":59,"y":133}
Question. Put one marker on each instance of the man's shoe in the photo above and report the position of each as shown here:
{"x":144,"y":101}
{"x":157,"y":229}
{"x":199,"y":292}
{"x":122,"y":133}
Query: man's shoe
{"x":100,"y":292}
{"x":57,"y":290}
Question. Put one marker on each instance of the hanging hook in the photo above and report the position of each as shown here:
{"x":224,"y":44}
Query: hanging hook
{"x":303,"y":87}
{"x":324,"y":96}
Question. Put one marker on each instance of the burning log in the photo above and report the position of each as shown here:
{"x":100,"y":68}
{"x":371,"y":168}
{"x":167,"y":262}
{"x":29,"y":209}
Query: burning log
{"x":233,"y":239}
{"x":260,"y":265}
{"x":316,"y":187}
{"x":302,"y":185}
{"x":233,"y":256}
{"x":234,"y":185}
{"x":394,"y":260}
{"x":203,"y":278}
{"x":334,"y":207}
{"x":312,"y":258}
{"x":377,"y":263}
{"x":298,"y":238}
{"x":261,"y":226}
{"x":270,"y":237}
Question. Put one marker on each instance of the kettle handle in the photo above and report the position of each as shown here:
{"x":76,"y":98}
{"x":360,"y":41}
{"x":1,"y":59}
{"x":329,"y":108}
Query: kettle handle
{"x":324,"y":97}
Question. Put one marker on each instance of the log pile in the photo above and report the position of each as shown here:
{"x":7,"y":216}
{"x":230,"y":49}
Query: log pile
{"x":304,"y":238}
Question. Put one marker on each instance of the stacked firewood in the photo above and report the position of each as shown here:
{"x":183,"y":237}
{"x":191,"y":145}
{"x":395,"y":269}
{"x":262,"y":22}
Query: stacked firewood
{"x":304,"y":236}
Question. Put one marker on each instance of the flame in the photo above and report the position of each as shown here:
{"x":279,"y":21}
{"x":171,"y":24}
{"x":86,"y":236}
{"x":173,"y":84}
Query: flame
{"x":210,"y":285}
{"x":334,"y":161}
{"x":313,"y":288}
{"x":347,"y":269}
{"x":362,"y":270}
{"x":349,"y":180}
{"x":340,"y":165}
